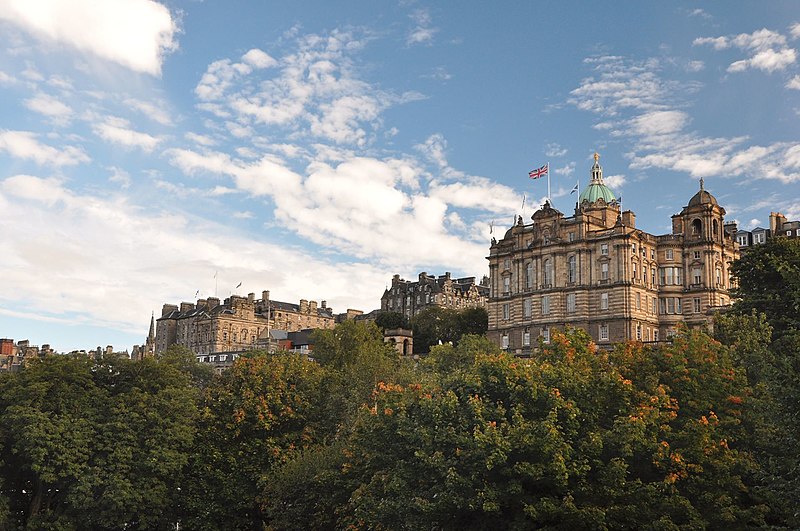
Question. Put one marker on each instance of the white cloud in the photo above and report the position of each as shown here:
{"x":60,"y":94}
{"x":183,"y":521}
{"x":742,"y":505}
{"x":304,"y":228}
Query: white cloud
{"x":615,"y":182}
{"x":203,"y":140}
{"x":793,"y":83}
{"x":176,"y":255}
{"x":6,"y":79}
{"x":794,"y":31}
{"x":258,"y":59}
{"x":24,"y":145}
{"x":566,"y":171}
{"x":50,"y":107}
{"x":623,"y":86}
{"x":134,"y":33}
{"x":555,"y":150}
{"x":658,"y":125}
{"x":366,"y":207}
{"x":117,"y":131}
{"x":152,"y":111}
{"x":423,"y":32}
{"x":768,"y":49}
{"x":766,"y":60}
{"x":120,"y":176}
{"x":439,"y":73}
{"x":695,"y":66}
{"x":700,"y":13}
{"x":313,"y":91}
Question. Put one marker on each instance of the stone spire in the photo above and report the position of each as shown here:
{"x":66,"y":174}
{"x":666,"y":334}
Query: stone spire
{"x":151,"y":336}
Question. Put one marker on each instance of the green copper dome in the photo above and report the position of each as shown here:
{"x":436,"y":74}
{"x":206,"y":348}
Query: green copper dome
{"x":597,"y":189}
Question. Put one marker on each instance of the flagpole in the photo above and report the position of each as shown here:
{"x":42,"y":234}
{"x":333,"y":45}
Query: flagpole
{"x":549,"y":199}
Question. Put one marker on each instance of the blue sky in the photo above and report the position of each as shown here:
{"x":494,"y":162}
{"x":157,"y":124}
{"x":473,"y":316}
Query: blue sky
{"x":315,"y":149}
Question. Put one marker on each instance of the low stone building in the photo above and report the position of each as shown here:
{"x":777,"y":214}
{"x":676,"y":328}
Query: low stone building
{"x":239,"y":323}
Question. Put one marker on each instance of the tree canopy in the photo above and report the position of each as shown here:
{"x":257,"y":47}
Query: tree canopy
{"x":698,"y":433}
{"x":768,"y":278}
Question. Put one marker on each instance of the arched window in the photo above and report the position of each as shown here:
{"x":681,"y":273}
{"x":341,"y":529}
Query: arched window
{"x":572,"y":269}
{"x":716,"y":233}
{"x":697,"y":227}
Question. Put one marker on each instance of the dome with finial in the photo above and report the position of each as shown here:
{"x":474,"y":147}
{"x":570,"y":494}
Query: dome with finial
{"x":702,"y":197}
{"x":597,"y":189}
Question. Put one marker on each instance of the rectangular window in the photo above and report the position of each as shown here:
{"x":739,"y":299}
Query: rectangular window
{"x":604,"y":271}
{"x":638,"y":301}
{"x":653,"y":274}
{"x":697,"y":255}
{"x":604,"y":301}
{"x":546,"y":335}
{"x":604,"y":249}
{"x":571,"y":302}
{"x":696,"y":304}
{"x":603,"y":332}
{"x":526,"y":339}
{"x":545,"y":304}
{"x":655,"y":334}
{"x":678,"y":305}
{"x":634,"y":271}
{"x":507,"y":264}
{"x":529,"y":275}
{"x":633,"y":248}
{"x":506,"y":285}
{"x":639,"y":332}
{"x":697,"y":276}
{"x":505,"y":341}
{"x":652,"y":254}
{"x":571,"y":236}
{"x":668,"y":254}
{"x":526,"y":308}
{"x":670,"y":305}
{"x":506,"y":311}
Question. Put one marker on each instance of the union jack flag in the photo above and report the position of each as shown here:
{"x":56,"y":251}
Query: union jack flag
{"x":538,"y":172}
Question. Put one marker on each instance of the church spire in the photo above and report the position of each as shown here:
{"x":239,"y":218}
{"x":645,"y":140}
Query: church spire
{"x":152,"y":334}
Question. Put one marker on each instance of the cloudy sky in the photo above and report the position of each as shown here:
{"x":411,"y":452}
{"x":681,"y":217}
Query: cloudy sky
{"x":317,"y":148}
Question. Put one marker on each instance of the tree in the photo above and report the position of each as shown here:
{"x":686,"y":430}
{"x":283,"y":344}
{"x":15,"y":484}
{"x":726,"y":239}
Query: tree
{"x":391,"y":320}
{"x":573,"y":439}
{"x":91,"y":444}
{"x":257,"y":415}
{"x":768,"y":279}
{"x":474,"y":321}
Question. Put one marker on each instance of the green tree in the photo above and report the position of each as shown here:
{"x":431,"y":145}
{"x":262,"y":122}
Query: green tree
{"x":434,"y":326}
{"x":94,"y":444}
{"x":473,"y":321}
{"x":768,"y":279}
{"x":257,"y":415}
{"x":573,"y":439}
{"x":391,"y":320}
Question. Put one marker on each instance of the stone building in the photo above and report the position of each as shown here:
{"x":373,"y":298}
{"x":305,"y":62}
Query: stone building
{"x":596,"y":271}
{"x":409,"y":298}
{"x":237,"y":324}
{"x":779,"y":227}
